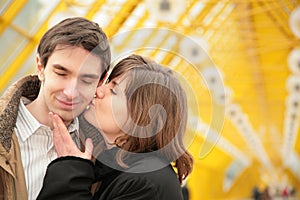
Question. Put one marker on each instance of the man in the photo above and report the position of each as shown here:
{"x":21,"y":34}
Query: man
{"x":72,"y":58}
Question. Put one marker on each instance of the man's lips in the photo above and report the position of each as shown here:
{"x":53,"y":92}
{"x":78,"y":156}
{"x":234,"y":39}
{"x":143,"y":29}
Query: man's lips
{"x":69,"y":104}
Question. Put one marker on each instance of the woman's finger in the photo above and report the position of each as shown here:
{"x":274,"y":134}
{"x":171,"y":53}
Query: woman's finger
{"x":63,"y":142}
{"x":57,"y":136}
{"x":62,"y":129}
{"x":88,"y":148}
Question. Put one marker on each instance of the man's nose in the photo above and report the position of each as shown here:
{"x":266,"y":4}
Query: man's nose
{"x":71,"y":89}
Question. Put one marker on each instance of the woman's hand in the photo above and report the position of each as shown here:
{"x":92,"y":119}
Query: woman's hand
{"x":63,"y":143}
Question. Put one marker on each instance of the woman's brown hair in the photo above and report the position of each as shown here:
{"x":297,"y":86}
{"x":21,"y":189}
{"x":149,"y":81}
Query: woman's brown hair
{"x":157,"y":107}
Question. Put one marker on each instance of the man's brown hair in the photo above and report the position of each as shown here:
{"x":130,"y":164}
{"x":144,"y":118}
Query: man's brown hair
{"x":79,"y":32}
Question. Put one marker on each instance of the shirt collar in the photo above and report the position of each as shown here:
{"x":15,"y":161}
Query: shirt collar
{"x":26,"y":123}
{"x":74,"y":127}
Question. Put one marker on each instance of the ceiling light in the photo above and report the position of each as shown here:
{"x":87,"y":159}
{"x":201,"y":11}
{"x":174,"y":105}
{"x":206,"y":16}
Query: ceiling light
{"x":213,"y":78}
{"x":293,"y":84}
{"x":294,"y":61}
{"x":193,"y":49}
{"x":166,"y":10}
{"x":294,"y":22}
{"x":223,"y":96}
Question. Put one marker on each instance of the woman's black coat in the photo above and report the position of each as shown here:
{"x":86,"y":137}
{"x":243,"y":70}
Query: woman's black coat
{"x":72,"y":178}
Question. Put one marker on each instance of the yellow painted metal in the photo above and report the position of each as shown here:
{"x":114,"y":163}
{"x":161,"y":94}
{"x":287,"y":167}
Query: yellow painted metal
{"x":278,"y":19}
{"x":10,"y":13}
{"x":206,"y":172}
{"x":94,"y":8}
{"x":261,"y":34}
{"x":20,"y":31}
{"x":215,"y":19}
{"x":121,"y":17}
{"x":168,"y":56}
{"x":155,"y":31}
{"x":189,"y":30}
{"x":173,"y":27}
{"x":184,"y":31}
{"x":27,"y":50}
{"x":253,"y":57}
{"x":129,"y":38}
{"x":228,"y":59}
{"x":218,"y":34}
{"x":297,"y":143}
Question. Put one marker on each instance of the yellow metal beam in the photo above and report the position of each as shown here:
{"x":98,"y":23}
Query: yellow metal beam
{"x":20,"y":31}
{"x":26,"y":51}
{"x":129,"y":37}
{"x":215,"y":21}
{"x":118,"y":20}
{"x":168,"y":58}
{"x":94,"y":8}
{"x":10,"y":13}
{"x":218,"y":35}
{"x":247,"y":23}
{"x":276,"y":19}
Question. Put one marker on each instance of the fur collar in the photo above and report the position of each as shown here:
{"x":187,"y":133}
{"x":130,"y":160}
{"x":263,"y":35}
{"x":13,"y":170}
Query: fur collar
{"x":9,"y":104}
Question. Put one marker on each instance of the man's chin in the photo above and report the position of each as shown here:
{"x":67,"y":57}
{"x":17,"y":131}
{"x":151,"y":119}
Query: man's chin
{"x":67,"y":117}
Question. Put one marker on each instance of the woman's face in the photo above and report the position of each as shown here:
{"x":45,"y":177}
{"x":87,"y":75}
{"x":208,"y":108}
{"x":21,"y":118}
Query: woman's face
{"x":110,"y":108}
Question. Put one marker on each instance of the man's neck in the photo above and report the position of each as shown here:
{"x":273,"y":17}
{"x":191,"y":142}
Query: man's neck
{"x":39,"y":112}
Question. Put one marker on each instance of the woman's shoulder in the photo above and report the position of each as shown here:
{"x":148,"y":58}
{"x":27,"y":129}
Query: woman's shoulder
{"x":158,"y":184}
{"x":126,"y":186}
{"x":148,"y":177}
{"x":164,"y":177}
{"x":155,"y":169}
{"x":154,"y":177}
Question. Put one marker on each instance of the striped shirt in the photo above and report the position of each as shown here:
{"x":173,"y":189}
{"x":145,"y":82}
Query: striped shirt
{"x":37,"y":149}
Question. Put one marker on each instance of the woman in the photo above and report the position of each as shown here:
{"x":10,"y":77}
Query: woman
{"x":142,"y":115}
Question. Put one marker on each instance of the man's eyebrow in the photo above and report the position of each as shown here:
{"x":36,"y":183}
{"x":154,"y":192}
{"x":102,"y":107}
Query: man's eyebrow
{"x":60,"y":67}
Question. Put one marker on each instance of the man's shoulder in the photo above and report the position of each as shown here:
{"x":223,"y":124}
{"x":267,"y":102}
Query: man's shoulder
{"x":27,"y":86}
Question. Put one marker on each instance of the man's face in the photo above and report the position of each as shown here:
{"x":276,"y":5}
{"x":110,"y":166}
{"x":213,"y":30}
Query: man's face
{"x":69,"y":81}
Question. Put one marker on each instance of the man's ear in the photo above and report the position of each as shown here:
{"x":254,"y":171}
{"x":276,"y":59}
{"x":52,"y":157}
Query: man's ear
{"x":39,"y":67}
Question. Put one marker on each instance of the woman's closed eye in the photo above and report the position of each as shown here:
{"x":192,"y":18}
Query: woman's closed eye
{"x":113,"y":91}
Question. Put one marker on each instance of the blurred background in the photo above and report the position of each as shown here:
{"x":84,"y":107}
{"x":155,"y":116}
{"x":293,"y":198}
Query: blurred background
{"x":240,"y":63}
